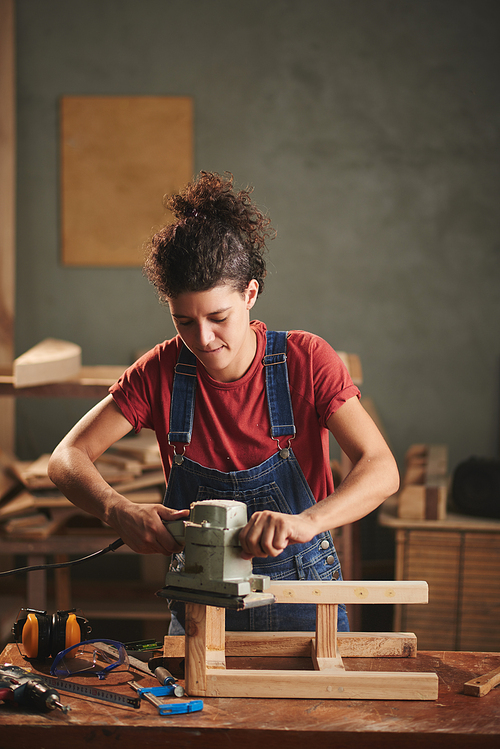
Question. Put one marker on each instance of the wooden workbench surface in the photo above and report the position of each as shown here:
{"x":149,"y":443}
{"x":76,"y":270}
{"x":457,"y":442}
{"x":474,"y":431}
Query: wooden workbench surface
{"x":453,"y":720}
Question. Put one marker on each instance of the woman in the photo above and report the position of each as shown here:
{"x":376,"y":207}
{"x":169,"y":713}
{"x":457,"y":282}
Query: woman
{"x":239,"y":412}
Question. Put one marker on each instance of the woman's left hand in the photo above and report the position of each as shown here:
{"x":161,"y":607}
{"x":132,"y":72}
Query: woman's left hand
{"x":267,"y":533}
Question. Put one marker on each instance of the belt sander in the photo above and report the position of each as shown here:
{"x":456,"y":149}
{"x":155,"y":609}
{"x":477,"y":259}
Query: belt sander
{"x":214,"y":572}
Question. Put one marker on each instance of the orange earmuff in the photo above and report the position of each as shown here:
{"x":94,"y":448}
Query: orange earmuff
{"x":43,"y":635}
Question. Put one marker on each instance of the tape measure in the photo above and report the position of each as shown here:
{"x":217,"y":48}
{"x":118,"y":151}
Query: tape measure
{"x":86,"y":690}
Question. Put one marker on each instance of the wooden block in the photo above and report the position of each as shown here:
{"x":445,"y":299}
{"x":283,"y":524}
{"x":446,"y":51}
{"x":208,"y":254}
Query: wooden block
{"x":27,"y":502}
{"x":51,"y":360}
{"x":353,"y":364}
{"x":34,"y":474}
{"x":350,"y":591}
{"x":38,"y":525}
{"x":424,"y":487}
{"x":344,"y":685}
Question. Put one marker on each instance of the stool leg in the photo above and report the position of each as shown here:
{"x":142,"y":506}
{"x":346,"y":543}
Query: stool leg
{"x":196,"y":654}
{"x":325,"y":653}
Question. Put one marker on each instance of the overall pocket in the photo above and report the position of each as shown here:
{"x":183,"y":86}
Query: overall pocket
{"x":266,"y":497}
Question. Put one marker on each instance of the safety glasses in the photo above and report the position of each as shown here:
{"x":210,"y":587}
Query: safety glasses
{"x":96,"y":656}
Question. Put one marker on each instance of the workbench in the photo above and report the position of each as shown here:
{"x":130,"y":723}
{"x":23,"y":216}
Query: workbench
{"x":453,"y":720}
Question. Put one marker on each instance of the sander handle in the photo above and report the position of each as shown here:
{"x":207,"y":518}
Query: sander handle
{"x":177,"y":529}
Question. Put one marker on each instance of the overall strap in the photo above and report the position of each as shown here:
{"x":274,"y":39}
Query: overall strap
{"x":277,"y":390}
{"x":277,"y":387}
{"x":183,"y":395}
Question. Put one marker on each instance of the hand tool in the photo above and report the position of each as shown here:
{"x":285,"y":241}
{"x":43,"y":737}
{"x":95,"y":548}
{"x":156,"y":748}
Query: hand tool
{"x":214,"y":572}
{"x":47,"y":688}
{"x":481,"y":685}
{"x":133,"y":661}
{"x":151,"y":694}
{"x":87,"y":690}
{"x":26,"y":689}
{"x":164,"y":677}
{"x":142,"y":646}
{"x":167,"y":680}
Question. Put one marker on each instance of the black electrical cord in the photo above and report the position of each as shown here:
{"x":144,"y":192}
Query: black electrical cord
{"x":112,"y":547}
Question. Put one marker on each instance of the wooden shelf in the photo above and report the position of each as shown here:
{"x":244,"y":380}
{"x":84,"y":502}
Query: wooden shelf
{"x":388,"y":516}
{"x":91,"y":382}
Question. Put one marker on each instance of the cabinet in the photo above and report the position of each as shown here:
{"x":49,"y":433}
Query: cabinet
{"x":459,"y":557}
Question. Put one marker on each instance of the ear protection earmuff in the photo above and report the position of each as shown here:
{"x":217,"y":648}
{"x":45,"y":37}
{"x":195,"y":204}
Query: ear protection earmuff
{"x":44,"y":635}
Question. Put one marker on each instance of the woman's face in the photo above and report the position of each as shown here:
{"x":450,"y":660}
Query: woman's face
{"x":215,"y":326}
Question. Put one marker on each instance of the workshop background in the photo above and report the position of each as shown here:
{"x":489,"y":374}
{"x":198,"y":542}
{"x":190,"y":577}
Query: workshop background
{"x":370,"y":131}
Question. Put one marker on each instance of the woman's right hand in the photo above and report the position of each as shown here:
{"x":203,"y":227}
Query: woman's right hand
{"x":142,"y":526}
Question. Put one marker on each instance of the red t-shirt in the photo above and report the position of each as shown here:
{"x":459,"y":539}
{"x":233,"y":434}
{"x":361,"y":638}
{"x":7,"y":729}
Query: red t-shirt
{"x":231,"y":429}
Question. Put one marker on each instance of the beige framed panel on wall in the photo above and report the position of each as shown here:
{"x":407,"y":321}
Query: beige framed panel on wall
{"x":119,"y":156}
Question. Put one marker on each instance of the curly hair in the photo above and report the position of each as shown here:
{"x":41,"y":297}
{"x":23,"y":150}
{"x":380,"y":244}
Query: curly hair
{"x":219,"y":236}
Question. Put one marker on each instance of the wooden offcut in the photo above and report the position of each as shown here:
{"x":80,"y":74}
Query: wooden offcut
{"x":119,"y":156}
{"x":481,"y":685}
{"x":51,"y":360}
{"x":424,"y":488}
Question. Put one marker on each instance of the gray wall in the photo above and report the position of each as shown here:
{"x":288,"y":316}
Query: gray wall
{"x":370,"y":131}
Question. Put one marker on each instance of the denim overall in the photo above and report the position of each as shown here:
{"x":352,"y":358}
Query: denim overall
{"x":277,"y":484}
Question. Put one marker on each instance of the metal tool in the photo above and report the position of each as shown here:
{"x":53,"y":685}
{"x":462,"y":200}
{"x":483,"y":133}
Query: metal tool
{"x":87,"y":690}
{"x":27,"y":689}
{"x":152,"y":694}
{"x":162,"y":674}
{"x":214,"y":572}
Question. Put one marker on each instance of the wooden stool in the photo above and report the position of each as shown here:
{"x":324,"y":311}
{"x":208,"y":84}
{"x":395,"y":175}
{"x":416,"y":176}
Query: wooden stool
{"x":206,"y":644}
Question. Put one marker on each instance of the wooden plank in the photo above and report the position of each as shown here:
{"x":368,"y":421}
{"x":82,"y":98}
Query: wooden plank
{"x":119,"y":156}
{"x":349,"y":591}
{"x":298,"y":644}
{"x":343,"y":685}
{"x":51,"y":360}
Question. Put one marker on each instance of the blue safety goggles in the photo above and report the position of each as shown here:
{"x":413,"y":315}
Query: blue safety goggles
{"x":98,"y":657}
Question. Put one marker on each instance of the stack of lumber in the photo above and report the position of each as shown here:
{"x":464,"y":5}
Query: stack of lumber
{"x":31,"y":506}
{"x":424,"y":488}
